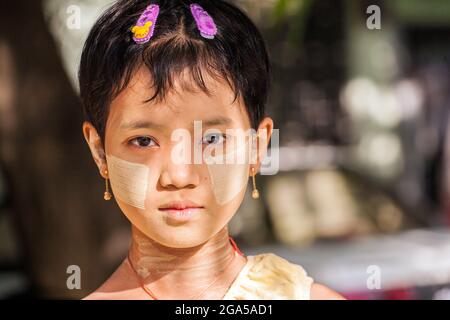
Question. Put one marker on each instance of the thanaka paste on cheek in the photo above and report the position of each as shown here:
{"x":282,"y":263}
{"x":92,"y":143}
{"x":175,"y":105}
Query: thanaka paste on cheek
{"x":129,"y":181}
{"x":228,"y":179}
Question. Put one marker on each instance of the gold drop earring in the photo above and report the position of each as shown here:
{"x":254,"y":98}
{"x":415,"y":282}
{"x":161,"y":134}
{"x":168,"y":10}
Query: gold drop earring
{"x":255,"y":192}
{"x":107,"y":195}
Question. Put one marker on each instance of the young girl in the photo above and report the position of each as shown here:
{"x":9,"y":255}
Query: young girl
{"x":167,"y":88}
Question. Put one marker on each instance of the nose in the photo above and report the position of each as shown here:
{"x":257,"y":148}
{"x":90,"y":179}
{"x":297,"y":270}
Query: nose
{"x":178,"y":175}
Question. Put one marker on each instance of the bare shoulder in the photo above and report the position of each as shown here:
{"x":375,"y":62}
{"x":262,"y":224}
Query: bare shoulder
{"x":321,"y":292}
{"x":118,"y":286}
{"x":107,"y":291}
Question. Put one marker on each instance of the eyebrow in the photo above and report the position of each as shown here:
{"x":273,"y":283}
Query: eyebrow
{"x":145,"y":124}
{"x":217,"y":121}
{"x":141,"y":124}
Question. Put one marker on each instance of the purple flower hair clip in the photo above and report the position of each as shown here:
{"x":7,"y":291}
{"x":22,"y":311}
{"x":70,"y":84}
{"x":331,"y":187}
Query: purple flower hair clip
{"x":205,"y":23}
{"x":144,"y":27}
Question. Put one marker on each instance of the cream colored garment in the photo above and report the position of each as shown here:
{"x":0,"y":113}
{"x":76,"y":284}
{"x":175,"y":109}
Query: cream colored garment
{"x":270,"y":277}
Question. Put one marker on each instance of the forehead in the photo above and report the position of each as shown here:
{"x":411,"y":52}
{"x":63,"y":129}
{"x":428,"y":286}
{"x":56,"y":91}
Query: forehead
{"x":180,"y":106}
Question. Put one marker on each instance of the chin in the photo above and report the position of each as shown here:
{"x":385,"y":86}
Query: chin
{"x":175,"y":234}
{"x":181,"y":240}
{"x":181,"y":236}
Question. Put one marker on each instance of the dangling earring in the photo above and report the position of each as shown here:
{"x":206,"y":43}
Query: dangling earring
{"x":255,"y":192}
{"x":107,"y":194}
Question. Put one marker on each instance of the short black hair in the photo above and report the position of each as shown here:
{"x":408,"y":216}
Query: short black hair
{"x":110,"y":57}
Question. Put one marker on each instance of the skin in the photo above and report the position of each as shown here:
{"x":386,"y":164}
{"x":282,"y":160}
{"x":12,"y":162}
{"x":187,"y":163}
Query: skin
{"x":175,"y":260}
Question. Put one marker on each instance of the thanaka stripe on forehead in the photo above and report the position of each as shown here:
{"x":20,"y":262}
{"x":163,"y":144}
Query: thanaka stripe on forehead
{"x":145,"y":124}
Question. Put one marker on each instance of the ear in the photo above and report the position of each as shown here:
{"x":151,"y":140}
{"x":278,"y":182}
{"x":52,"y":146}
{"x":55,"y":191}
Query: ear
{"x":96,"y":146}
{"x":264,"y":133}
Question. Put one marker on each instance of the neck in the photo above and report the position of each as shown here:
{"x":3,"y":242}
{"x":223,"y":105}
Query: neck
{"x":183,"y":272}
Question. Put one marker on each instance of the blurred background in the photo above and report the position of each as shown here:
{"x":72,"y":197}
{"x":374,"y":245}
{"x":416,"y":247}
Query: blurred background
{"x":361,"y":100}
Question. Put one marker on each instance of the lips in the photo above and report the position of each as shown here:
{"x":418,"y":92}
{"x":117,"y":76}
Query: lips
{"x":181,"y":211}
{"x":180,"y":205}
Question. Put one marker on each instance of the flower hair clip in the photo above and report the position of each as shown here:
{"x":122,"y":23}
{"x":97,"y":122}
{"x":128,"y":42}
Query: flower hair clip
{"x":144,"y":27}
{"x":204,"y":21}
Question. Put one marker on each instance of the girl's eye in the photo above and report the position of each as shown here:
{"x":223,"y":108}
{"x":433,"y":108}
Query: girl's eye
{"x":143,"y":142}
{"x":214,"y":138}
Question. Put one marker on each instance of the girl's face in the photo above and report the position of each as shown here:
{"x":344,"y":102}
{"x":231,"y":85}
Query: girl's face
{"x":155,"y":156}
